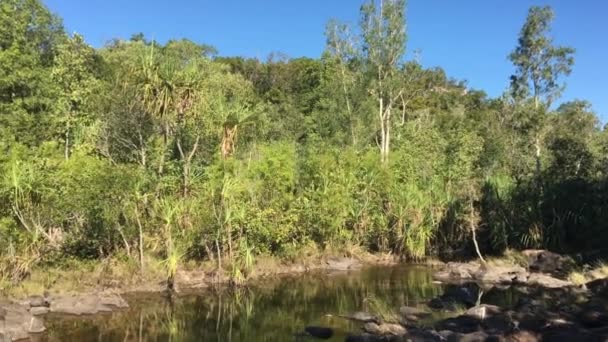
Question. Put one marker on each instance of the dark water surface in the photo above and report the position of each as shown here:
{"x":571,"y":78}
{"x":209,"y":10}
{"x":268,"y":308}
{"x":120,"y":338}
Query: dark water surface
{"x":270,"y":310}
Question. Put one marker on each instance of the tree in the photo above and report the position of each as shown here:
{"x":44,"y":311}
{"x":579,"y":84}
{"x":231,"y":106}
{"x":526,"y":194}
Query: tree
{"x":383,"y":33}
{"x":539,"y":65}
{"x":74,"y":75}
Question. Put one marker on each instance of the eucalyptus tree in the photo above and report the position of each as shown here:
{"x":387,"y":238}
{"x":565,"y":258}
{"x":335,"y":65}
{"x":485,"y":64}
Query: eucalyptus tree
{"x":383,"y":47}
{"x":539,"y":66}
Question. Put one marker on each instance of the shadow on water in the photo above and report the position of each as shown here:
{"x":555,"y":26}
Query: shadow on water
{"x":270,"y":310}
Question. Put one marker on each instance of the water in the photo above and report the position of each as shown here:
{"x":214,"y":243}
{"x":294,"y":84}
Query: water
{"x":269,"y":310}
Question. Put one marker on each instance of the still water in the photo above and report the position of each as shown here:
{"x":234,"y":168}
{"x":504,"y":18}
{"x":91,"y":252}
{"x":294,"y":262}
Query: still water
{"x":269,"y":310}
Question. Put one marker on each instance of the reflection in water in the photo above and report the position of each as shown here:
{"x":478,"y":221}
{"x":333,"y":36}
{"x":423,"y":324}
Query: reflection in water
{"x":270,"y":310}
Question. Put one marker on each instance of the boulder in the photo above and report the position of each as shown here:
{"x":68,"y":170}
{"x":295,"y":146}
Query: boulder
{"x":594,"y":314}
{"x":598,"y":287}
{"x":483,"y":311}
{"x":453,"y":271}
{"x":540,"y":260}
{"x":16,"y":323}
{"x":454,"y":297}
{"x":88,"y":304}
{"x":547,"y":281}
{"x":501,"y":274}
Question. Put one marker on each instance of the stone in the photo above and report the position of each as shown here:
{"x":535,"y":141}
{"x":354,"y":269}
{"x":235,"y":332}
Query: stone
{"x":413,"y":314}
{"x":361,"y":316}
{"x":88,"y":304}
{"x":547,"y":281}
{"x":342,"y":264}
{"x":500,"y":274}
{"x":483,"y":311}
{"x":16,"y":323}
{"x":540,"y":260}
{"x":384,"y":329}
{"x":39,"y":310}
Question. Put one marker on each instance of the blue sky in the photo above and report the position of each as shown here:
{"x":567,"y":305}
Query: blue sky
{"x":470,"y":39}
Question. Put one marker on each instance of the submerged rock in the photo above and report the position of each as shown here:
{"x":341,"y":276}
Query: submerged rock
{"x":88,"y":304}
{"x":319,"y":332}
{"x":413,"y":314}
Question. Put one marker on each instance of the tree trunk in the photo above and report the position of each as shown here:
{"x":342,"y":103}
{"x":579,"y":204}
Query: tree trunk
{"x":67,"y":141}
{"x":141,"y":241}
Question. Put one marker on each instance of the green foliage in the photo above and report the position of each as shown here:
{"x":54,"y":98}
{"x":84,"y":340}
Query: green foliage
{"x":145,"y":150}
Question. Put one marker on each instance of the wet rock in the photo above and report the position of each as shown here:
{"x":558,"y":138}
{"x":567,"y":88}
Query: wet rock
{"x":16,"y":323}
{"x":483,"y":311}
{"x":319,"y":332}
{"x":455,"y":296}
{"x":342,"y":264}
{"x":88,"y":304}
{"x":562,"y":333}
{"x":373,"y":338}
{"x":384,"y":329}
{"x":461,"y":324}
{"x":548,"y":281}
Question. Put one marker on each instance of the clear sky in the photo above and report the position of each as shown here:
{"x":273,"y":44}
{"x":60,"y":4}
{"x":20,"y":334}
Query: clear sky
{"x":470,"y":39}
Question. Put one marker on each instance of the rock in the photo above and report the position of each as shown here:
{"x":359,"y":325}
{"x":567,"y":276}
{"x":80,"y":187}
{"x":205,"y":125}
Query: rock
{"x":413,"y":314}
{"x":594,"y":315}
{"x":456,"y":271}
{"x":39,"y":310}
{"x":361,"y":316}
{"x":547,"y":281}
{"x":598,"y":287}
{"x":500,"y":274}
{"x":37,"y":301}
{"x":453,"y":297}
{"x":16,"y":323}
{"x":342,"y":264}
{"x":384,"y":329}
{"x":190,"y":279}
{"x":540,"y":260}
{"x":319,"y":332}
{"x":461,"y":324}
{"x":88,"y":304}
{"x":478,"y":336}
{"x":483,"y":311}
{"x":522,"y":336}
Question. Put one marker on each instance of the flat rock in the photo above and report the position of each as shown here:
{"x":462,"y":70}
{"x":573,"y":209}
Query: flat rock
{"x":547,"y":281}
{"x":384,"y":329}
{"x":483,"y":311}
{"x":39,"y":310}
{"x":88,"y":304}
{"x":16,"y":323}
{"x":342,"y":264}
{"x":500,"y":274}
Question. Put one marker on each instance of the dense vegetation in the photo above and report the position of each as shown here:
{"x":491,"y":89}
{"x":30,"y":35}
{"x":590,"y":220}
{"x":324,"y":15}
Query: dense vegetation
{"x":150,"y":151}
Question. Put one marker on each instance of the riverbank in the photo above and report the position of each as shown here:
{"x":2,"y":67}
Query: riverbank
{"x":99,"y":291}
